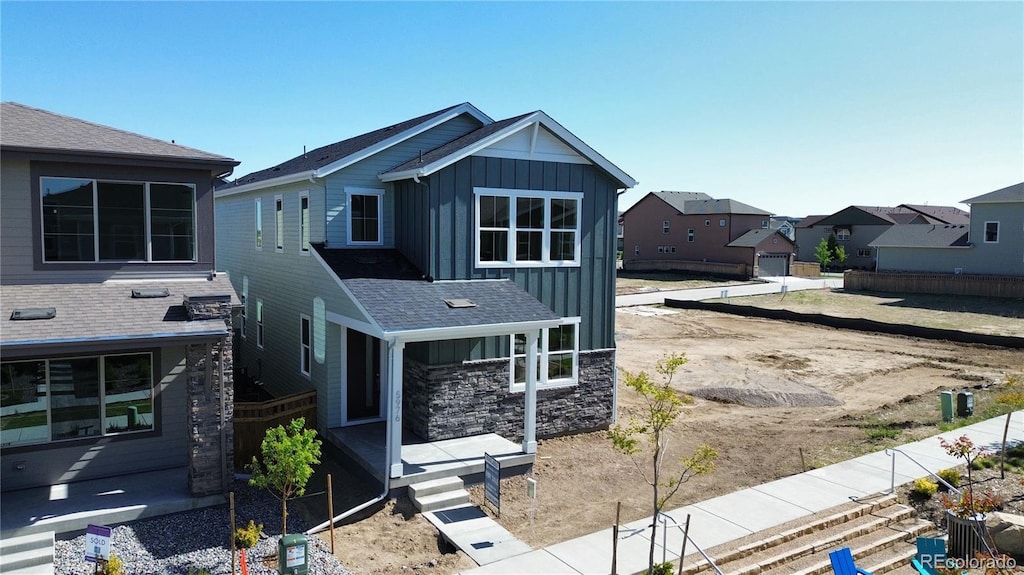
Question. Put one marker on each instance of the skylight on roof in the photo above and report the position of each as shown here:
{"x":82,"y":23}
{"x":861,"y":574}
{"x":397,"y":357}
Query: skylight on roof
{"x":459,"y":303}
{"x":31,"y":313}
{"x":150,"y":292}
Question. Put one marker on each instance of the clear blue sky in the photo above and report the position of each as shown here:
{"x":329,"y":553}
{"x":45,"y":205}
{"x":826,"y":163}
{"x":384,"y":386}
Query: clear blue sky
{"x":797,"y":107}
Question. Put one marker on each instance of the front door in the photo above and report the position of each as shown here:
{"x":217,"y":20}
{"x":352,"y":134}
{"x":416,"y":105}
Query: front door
{"x":362,"y":389}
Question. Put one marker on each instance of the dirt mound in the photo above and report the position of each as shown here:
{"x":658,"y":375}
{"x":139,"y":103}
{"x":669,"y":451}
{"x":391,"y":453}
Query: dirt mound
{"x":755,"y":396}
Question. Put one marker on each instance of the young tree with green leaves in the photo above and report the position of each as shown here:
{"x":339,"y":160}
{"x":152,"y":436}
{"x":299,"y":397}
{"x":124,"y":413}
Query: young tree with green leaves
{"x":648,"y":430}
{"x":288,"y":459}
{"x":1012,"y":398}
{"x":839,"y":255}
{"x":822,"y":254}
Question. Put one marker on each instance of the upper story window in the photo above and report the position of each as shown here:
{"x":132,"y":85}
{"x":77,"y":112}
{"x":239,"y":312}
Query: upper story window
{"x":721,"y":223}
{"x":707,"y":223}
{"x":365,"y":224}
{"x":666,"y":226}
{"x":259,"y":323}
{"x":304,"y":223}
{"x":88,"y":220}
{"x":764,"y":224}
{"x":690,"y":235}
{"x":279,"y":223}
{"x":558,"y":357}
{"x":242,"y":316}
{"x":843,"y":234}
{"x":991,"y":232}
{"x":259,"y":223}
{"x":527,"y":227}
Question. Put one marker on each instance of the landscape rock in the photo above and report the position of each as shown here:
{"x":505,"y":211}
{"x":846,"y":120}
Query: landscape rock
{"x":1007,"y":532}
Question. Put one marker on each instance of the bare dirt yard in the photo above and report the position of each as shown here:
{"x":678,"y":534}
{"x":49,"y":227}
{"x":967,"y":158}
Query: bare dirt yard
{"x":773,"y":398}
{"x":641,"y":282}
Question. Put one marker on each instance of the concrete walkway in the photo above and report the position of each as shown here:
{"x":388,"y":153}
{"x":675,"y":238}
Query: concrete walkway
{"x":771,"y":285}
{"x":729,"y":517}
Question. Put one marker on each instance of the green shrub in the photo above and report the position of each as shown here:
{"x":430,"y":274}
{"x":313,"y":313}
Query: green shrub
{"x":662,"y":569}
{"x":883,"y":432}
{"x":198,"y":571}
{"x":924,"y":487}
{"x":248,"y":535}
{"x":950,"y":476}
{"x":113,"y":566}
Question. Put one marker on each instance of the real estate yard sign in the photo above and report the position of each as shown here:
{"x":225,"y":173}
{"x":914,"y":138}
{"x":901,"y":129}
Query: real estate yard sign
{"x":97,"y":543}
{"x":492,"y":481}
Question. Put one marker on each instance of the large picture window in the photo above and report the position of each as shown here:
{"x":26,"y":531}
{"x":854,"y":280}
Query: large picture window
{"x":557,"y":365}
{"x":72,"y":398}
{"x":96,"y":220}
{"x":543,"y":229}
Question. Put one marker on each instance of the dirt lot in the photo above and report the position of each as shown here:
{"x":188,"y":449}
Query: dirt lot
{"x":772,"y":397}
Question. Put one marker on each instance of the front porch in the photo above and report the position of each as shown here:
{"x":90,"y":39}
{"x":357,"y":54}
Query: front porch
{"x":423,"y":460}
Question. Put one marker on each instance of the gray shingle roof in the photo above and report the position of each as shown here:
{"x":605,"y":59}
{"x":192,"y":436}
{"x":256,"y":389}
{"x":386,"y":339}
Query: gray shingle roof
{"x":922,"y":236}
{"x":754,"y":237}
{"x":1014,"y":193}
{"x":455,"y":145}
{"x":401,"y":305}
{"x":26,"y":128}
{"x":678,"y":199}
{"x":723,"y":206}
{"x":97,"y":312}
{"x":941,"y":214}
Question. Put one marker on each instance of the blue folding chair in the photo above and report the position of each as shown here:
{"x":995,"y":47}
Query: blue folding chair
{"x":842,"y":563}
{"x":931,"y":554}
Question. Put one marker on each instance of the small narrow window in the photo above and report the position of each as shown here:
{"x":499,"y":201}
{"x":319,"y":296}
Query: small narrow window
{"x":689,"y":235}
{"x":242,"y":318}
{"x":665,"y":225}
{"x":661,"y":249}
{"x":259,"y":324}
{"x":259,"y":223}
{"x":636,"y":249}
{"x":305,"y":354}
{"x":304,"y":223}
{"x":707,"y":223}
{"x":721,"y":223}
{"x":991,"y":232}
{"x":673,"y":249}
{"x":764,"y":224}
{"x":279,"y":223}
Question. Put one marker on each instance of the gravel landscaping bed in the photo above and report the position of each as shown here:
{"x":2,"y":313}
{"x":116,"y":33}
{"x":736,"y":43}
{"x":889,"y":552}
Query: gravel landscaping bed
{"x":194,"y":540}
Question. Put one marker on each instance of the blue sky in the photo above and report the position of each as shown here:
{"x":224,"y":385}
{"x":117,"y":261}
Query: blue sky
{"x":793,"y":107}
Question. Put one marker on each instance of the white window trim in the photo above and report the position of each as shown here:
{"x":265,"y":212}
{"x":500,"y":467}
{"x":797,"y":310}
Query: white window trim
{"x":279,"y":223}
{"x":840,"y":236}
{"x":259,"y":223}
{"x":304,"y":226}
{"x":305,"y":320}
{"x":984,"y":232}
{"x":691,"y":235}
{"x":707,"y":223}
{"x":721,"y":222}
{"x":379,"y":193}
{"x":542,"y":351}
{"x":260,"y":335}
{"x":512,"y":196}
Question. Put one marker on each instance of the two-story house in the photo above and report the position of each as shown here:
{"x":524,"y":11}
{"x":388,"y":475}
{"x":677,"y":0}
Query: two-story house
{"x":991,"y":244}
{"x":449,"y":275}
{"x":114,"y":327}
{"x":682,"y":230}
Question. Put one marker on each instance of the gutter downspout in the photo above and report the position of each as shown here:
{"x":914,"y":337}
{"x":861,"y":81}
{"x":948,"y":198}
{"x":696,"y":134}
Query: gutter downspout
{"x":615,"y":240}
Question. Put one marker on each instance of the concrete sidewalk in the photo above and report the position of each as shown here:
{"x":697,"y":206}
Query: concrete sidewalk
{"x":771,"y":285}
{"x":729,"y":517}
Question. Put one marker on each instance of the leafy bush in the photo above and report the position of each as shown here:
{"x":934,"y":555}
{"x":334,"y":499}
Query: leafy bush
{"x":661,"y":569}
{"x":970,"y":504}
{"x":924,"y":487}
{"x":883,"y":432}
{"x":113,"y":566}
{"x":198,"y":571}
{"x":247,"y":536}
{"x":950,"y":476}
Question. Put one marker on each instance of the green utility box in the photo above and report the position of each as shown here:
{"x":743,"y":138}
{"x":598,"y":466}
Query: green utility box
{"x":946,"y":399}
{"x":293,"y":555}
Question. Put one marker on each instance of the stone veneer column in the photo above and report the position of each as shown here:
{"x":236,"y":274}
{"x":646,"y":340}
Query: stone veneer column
{"x":211,"y":401}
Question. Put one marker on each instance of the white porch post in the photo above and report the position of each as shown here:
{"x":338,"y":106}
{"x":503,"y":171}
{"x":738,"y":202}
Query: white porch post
{"x":396,"y":353}
{"x":530,"y":411}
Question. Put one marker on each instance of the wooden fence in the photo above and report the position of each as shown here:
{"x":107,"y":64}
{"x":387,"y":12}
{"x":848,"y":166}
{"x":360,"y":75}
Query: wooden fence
{"x":709,"y":268}
{"x":252,"y":420}
{"x":935,"y":283}
{"x":805,"y":269}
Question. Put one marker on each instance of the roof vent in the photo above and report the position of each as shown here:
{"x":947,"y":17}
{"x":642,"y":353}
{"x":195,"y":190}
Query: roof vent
{"x":459,"y":303}
{"x":34,"y":313}
{"x":150,"y":292}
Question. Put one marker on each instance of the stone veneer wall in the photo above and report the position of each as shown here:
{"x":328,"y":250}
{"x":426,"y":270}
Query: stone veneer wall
{"x":210,"y":462}
{"x":461,"y":399}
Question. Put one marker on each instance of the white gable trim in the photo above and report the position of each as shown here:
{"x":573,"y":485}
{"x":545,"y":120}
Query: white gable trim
{"x":533,"y":144}
{"x":535,"y":118}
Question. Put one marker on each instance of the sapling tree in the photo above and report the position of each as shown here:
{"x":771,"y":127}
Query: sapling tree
{"x":288,"y":459}
{"x":822,"y":254}
{"x":1012,"y":397}
{"x":645,"y":438}
{"x":840,"y":255}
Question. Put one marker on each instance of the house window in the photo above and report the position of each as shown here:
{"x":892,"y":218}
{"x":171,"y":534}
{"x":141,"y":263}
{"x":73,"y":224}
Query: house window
{"x":863,"y":253}
{"x":279,"y":223}
{"x":71,"y":398}
{"x":259,"y":324}
{"x":661,"y":249}
{"x":991,"y":232}
{"x":558,"y":360}
{"x":636,"y":249}
{"x":665,"y":226}
{"x":707,"y":223}
{"x":304,"y":223}
{"x":721,"y":223}
{"x":544,"y":230}
{"x":364,"y":216}
{"x":673,"y":248}
{"x":259,"y":223}
{"x":242,"y":316}
{"x":689,"y":235}
{"x":843,"y":234}
{"x":96,"y":220}
{"x":305,"y":354}
{"x":764,"y":224}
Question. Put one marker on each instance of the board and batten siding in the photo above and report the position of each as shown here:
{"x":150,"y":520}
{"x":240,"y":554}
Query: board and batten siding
{"x":363,"y":174}
{"x":52,"y":464}
{"x":16,"y":220}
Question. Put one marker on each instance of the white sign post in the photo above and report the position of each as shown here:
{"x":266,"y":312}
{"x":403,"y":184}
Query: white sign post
{"x":97,"y":543}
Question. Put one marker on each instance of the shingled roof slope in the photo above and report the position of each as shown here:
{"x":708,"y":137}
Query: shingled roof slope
{"x":1014,"y":193}
{"x":922,"y":236}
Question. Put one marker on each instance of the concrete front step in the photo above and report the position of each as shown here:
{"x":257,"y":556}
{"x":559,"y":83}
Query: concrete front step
{"x":27,"y":554}
{"x":443,"y":500}
{"x":434,"y":486}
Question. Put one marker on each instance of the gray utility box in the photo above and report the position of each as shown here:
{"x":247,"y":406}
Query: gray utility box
{"x":964,"y":404}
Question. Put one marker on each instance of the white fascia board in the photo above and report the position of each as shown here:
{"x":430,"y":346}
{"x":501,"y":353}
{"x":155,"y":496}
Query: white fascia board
{"x":341,"y":163}
{"x":349,"y":323}
{"x":372,"y":328}
{"x":537,"y":117}
{"x":468,"y":331}
{"x":278,"y":181}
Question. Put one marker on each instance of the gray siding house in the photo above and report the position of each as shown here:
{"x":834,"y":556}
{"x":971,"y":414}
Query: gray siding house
{"x":446,"y":276}
{"x":114,"y":326}
{"x":992,"y":244}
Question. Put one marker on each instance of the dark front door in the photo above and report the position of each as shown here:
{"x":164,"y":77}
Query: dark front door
{"x":363,"y":377}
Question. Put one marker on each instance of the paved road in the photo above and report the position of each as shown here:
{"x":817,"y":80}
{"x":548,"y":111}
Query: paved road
{"x":771,"y":285}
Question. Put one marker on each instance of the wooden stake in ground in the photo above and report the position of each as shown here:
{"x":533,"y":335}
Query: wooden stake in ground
{"x":330,"y":509}
{"x":231,"y":506}
{"x":615,"y":535}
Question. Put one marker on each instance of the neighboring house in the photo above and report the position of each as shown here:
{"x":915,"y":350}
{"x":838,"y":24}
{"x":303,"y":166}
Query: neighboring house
{"x":784,"y":224}
{"x":620,"y":234}
{"x":115,"y":329}
{"x":450,"y":275}
{"x":855,"y":227}
{"x":991,"y":244}
{"x":666,"y":228}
